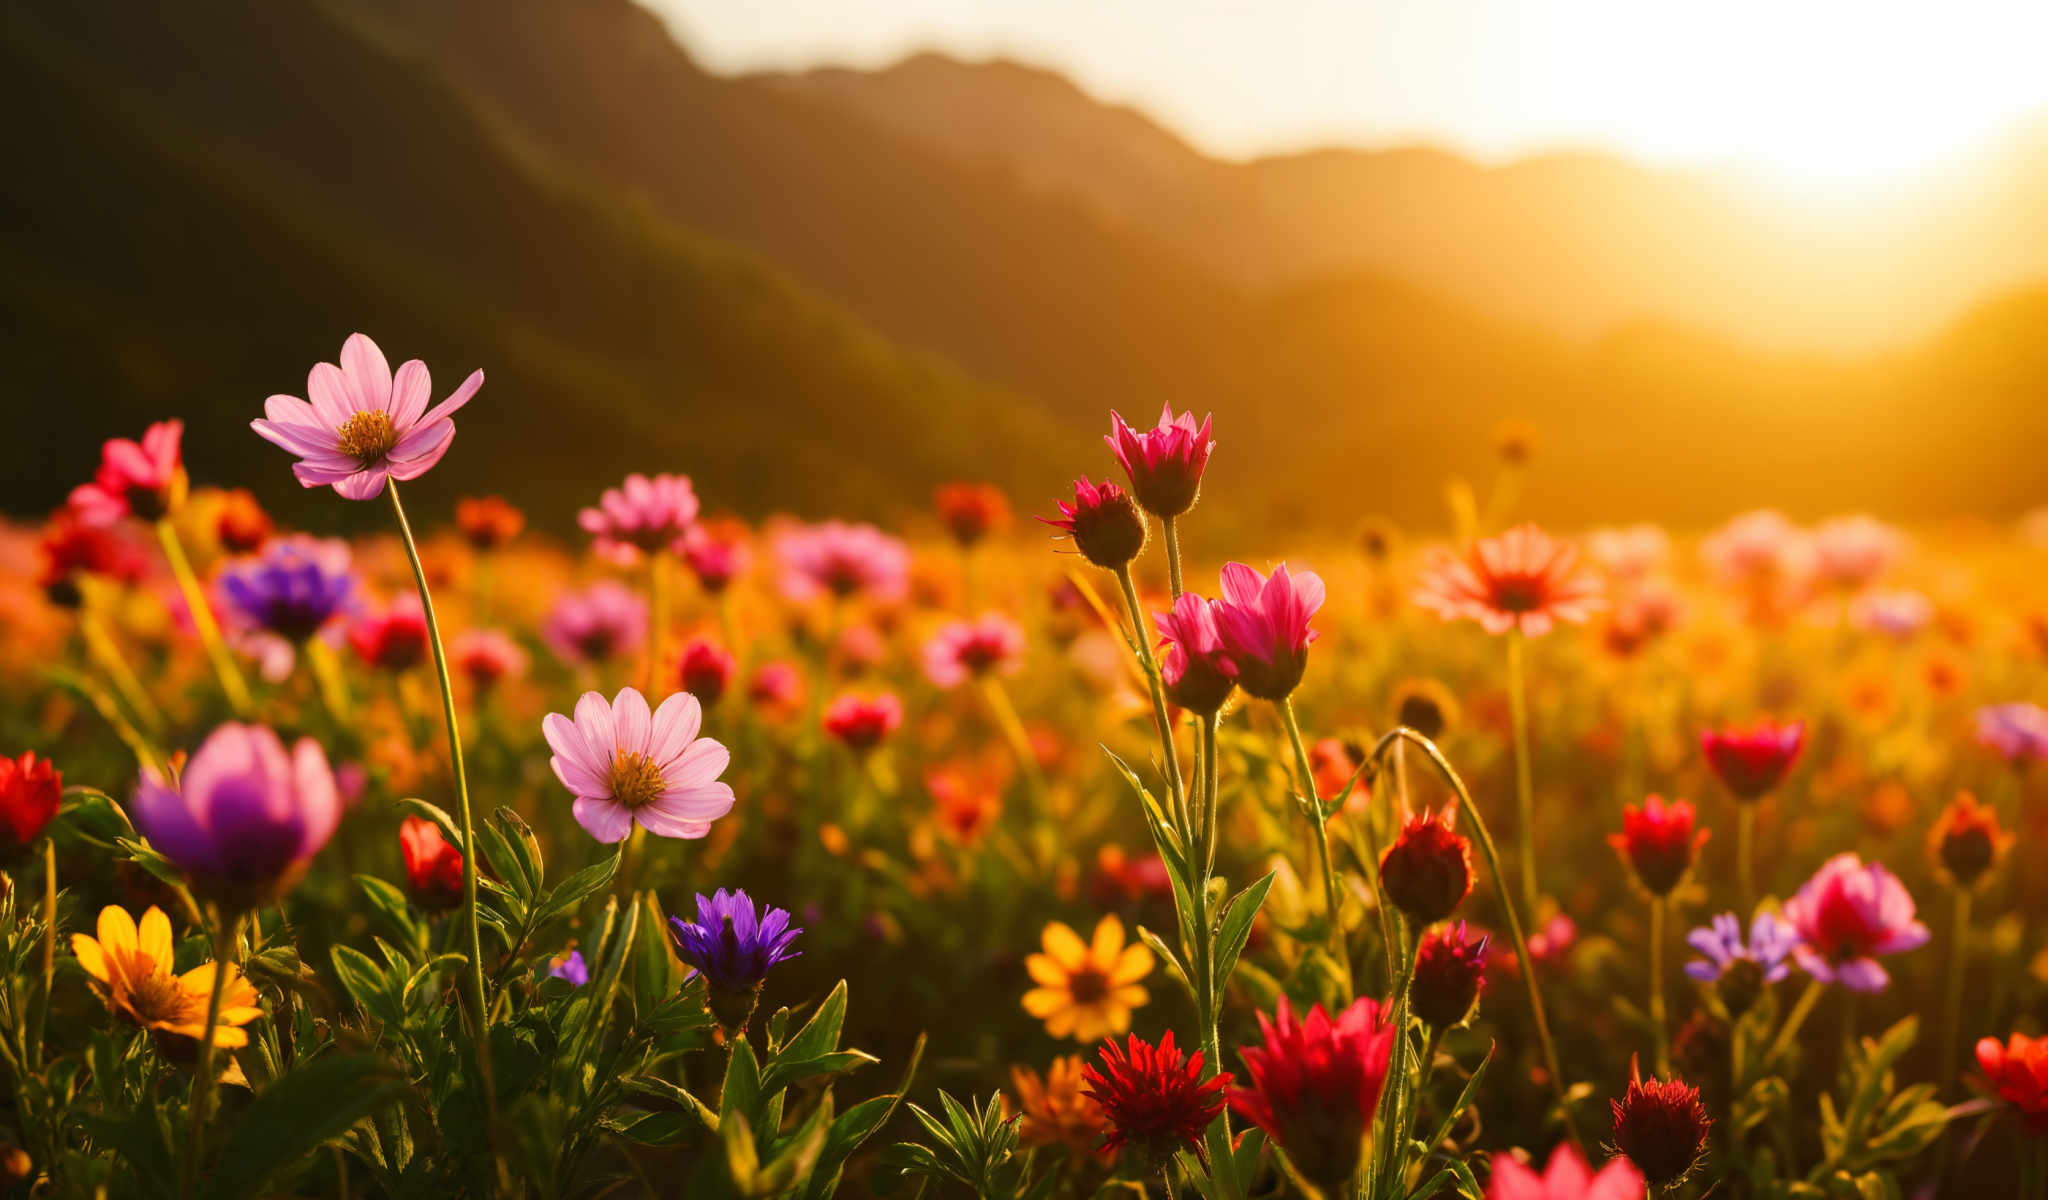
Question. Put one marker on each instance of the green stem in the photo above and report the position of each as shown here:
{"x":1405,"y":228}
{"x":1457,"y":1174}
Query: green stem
{"x":231,"y":682}
{"x":1492,"y":855}
{"x":1745,"y":854}
{"x":1525,"y":788}
{"x":115,"y":664}
{"x":42,"y":1010}
{"x":1172,"y":557}
{"x":1952,"y":1002}
{"x":1143,"y":643}
{"x":473,"y":978}
{"x":1207,"y":988}
{"x":327,"y":675}
{"x":224,"y":940}
{"x":1657,"y":1016}
{"x":1332,"y":905}
{"x":657,"y":614}
{"x":1793,"y":1021}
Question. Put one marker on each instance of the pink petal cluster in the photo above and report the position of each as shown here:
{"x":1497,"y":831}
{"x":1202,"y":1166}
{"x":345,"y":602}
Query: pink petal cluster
{"x":1846,"y":916}
{"x":1759,"y":548}
{"x":862,"y":722}
{"x":1631,"y":551}
{"x":1315,"y":1083}
{"x":363,"y":424}
{"x":627,"y":765}
{"x":643,"y":515}
{"x":842,"y":560}
{"x":140,"y":478}
{"x":607,"y":620}
{"x":717,"y":553}
{"x":1567,"y":1177}
{"x":488,"y":657}
{"x":963,"y":650}
{"x":1853,"y":552}
{"x":1754,"y":759}
{"x":1197,"y":676}
{"x":1263,"y":623}
{"x":1165,"y":463}
{"x":1522,"y":580}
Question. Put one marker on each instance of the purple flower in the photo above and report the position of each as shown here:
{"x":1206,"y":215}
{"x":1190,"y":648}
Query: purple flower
{"x":734,"y":947}
{"x":294,"y":590}
{"x":1742,"y":970}
{"x":364,"y":424}
{"x":2019,"y":731}
{"x":1847,"y":915}
{"x":572,"y":968}
{"x":626,"y":765}
{"x":604,"y":621}
{"x":245,"y":817}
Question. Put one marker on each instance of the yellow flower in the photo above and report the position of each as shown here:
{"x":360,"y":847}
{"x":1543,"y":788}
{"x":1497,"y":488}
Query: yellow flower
{"x":1087,"y":990}
{"x":133,"y":967}
{"x":1056,"y":1111}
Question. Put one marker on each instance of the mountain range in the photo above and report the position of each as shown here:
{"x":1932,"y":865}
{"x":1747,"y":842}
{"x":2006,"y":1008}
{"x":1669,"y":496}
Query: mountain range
{"x":828,"y":291}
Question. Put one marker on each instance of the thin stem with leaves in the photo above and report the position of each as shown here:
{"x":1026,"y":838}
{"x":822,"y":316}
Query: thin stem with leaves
{"x":231,"y":682}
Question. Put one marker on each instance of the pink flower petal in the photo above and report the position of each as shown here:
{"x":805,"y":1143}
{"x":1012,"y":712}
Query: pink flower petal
{"x":602,"y":819}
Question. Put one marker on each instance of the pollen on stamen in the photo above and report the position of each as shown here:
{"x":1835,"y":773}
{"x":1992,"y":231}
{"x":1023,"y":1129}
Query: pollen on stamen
{"x":366,"y":436}
{"x":636,"y":779}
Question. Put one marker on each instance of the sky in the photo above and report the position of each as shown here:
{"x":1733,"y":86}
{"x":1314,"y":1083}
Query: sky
{"x":1816,"y":88}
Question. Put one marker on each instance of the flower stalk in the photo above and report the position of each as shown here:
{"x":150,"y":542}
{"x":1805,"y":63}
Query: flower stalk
{"x":1525,"y":788}
{"x":1141,"y":642}
{"x":1658,"y":1020}
{"x":226,"y":936}
{"x":231,"y":682}
{"x":1320,"y":841}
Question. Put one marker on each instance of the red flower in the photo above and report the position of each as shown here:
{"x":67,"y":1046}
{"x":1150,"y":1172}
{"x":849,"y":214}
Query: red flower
{"x":241,"y":524}
{"x":433,"y":866}
{"x":143,"y":478}
{"x":1104,"y":522}
{"x":1263,"y":624}
{"x":1522,"y":580}
{"x":488,"y":522}
{"x":2018,"y":1072}
{"x":1164,"y":464}
{"x":1427,"y":872}
{"x":1967,"y":841}
{"x":1315,"y":1084}
{"x":1751,"y":761}
{"x":71,"y":548}
{"x":971,"y":511}
{"x":1658,"y":843}
{"x":1450,"y":972}
{"x":1662,"y":1127}
{"x":393,"y":640}
{"x":706,"y":670}
{"x":717,"y":551}
{"x":30,"y":790}
{"x":861,"y":722}
{"x":1155,"y":1098}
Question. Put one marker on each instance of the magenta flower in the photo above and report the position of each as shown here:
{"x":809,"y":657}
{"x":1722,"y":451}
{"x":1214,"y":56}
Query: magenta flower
{"x":364,"y":424}
{"x":963,"y":650}
{"x":628,"y":765}
{"x":607,"y":620}
{"x":641,"y":516}
{"x":1847,"y":915}
{"x":1566,"y":1178}
{"x":717,"y":553}
{"x":244,"y":817}
{"x":487,"y":657}
{"x":842,"y":560}
{"x":1753,"y":759}
{"x":1165,"y":463}
{"x":1106,"y":527}
{"x":1263,"y":624}
{"x":862,"y":722}
{"x":2018,"y":731}
{"x":144,"y":478}
{"x":1197,"y":676}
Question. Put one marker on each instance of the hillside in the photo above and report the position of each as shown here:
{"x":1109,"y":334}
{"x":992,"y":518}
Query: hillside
{"x":204,"y":222}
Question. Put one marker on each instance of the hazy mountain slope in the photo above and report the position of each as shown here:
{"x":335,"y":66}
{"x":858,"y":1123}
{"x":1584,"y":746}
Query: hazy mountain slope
{"x":1577,"y":243}
{"x":203,"y":221}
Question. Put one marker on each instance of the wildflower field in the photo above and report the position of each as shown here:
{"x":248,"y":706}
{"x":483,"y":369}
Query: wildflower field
{"x":999,"y":856}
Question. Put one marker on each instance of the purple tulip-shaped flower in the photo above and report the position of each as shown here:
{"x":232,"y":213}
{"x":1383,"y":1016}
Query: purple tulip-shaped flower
{"x":245,"y":817}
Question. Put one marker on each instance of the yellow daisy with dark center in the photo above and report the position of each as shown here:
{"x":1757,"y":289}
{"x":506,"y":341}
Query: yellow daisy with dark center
{"x":1086,"y":990}
{"x":131,"y":965}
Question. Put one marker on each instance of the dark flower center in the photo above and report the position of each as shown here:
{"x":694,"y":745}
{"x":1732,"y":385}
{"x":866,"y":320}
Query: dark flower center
{"x":1518,"y":593}
{"x":636,"y":779}
{"x":366,"y":436}
{"x":1088,"y":985}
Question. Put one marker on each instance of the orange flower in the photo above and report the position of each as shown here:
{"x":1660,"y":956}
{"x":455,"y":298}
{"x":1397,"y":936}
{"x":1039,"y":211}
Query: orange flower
{"x":1086,"y":990}
{"x":1522,"y":580}
{"x":1056,"y":1112}
{"x":133,"y":968}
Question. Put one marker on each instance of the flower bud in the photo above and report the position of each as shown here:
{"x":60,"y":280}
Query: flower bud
{"x":1450,"y":971}
{"x":1662,"y":1127}
{"x":1104,"y":522}
{"x":1427,"y":872}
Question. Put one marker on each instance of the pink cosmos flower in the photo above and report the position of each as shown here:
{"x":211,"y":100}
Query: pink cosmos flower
{"x":641,"y":516}
{"x":963,"y":650}
{"x":842,"y":560}
{"x":717,"y":552}
{"x":627,"y":765}
{"x":1629,"y":552}
{"x":1852,"y":552}
{"x":607,"y":620}
{"x":2018,"y":731}
{"x":1197,"y":675}
{"x":364,"y":424}
{"x":1522,"y":580}
{"x":1846,"y":916}
{"x":487,"y":657}
{"x":1566,"y":1178}
{"x":144,"y":478}
{"x":1165,"y":463}
{"x":1263,"y":625}
{"x":1758,"y":547}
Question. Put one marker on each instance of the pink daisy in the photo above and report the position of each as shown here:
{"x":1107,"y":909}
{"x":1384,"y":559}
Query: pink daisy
{"x":1524,"y":579}
{"x":364,"y":424}
{"x":641,"y":516}
{"x":628,"y":765}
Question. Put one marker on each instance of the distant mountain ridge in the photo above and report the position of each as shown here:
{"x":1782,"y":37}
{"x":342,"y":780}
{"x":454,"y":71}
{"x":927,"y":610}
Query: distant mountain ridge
{"x":1576,"y":243}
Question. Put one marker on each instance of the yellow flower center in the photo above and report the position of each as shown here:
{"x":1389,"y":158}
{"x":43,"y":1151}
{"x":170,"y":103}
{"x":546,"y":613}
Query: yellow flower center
{"x":366,"y":436}
{"x":636,"y":779}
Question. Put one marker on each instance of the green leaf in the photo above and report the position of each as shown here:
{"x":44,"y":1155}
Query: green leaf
{"x":1235,"y":927}
{"x":742,"y":1090}
{"x":576,"y":889}
{"x":669,"y":1093}
{"x":524,"y":846}
{"x":820,"y":1034}
{"x":366,"y":984}
{"x":741,"y":1158}
{"x":854,"y":1127}
{"x":294,"y":1116}
{"x":1166,"y":954}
